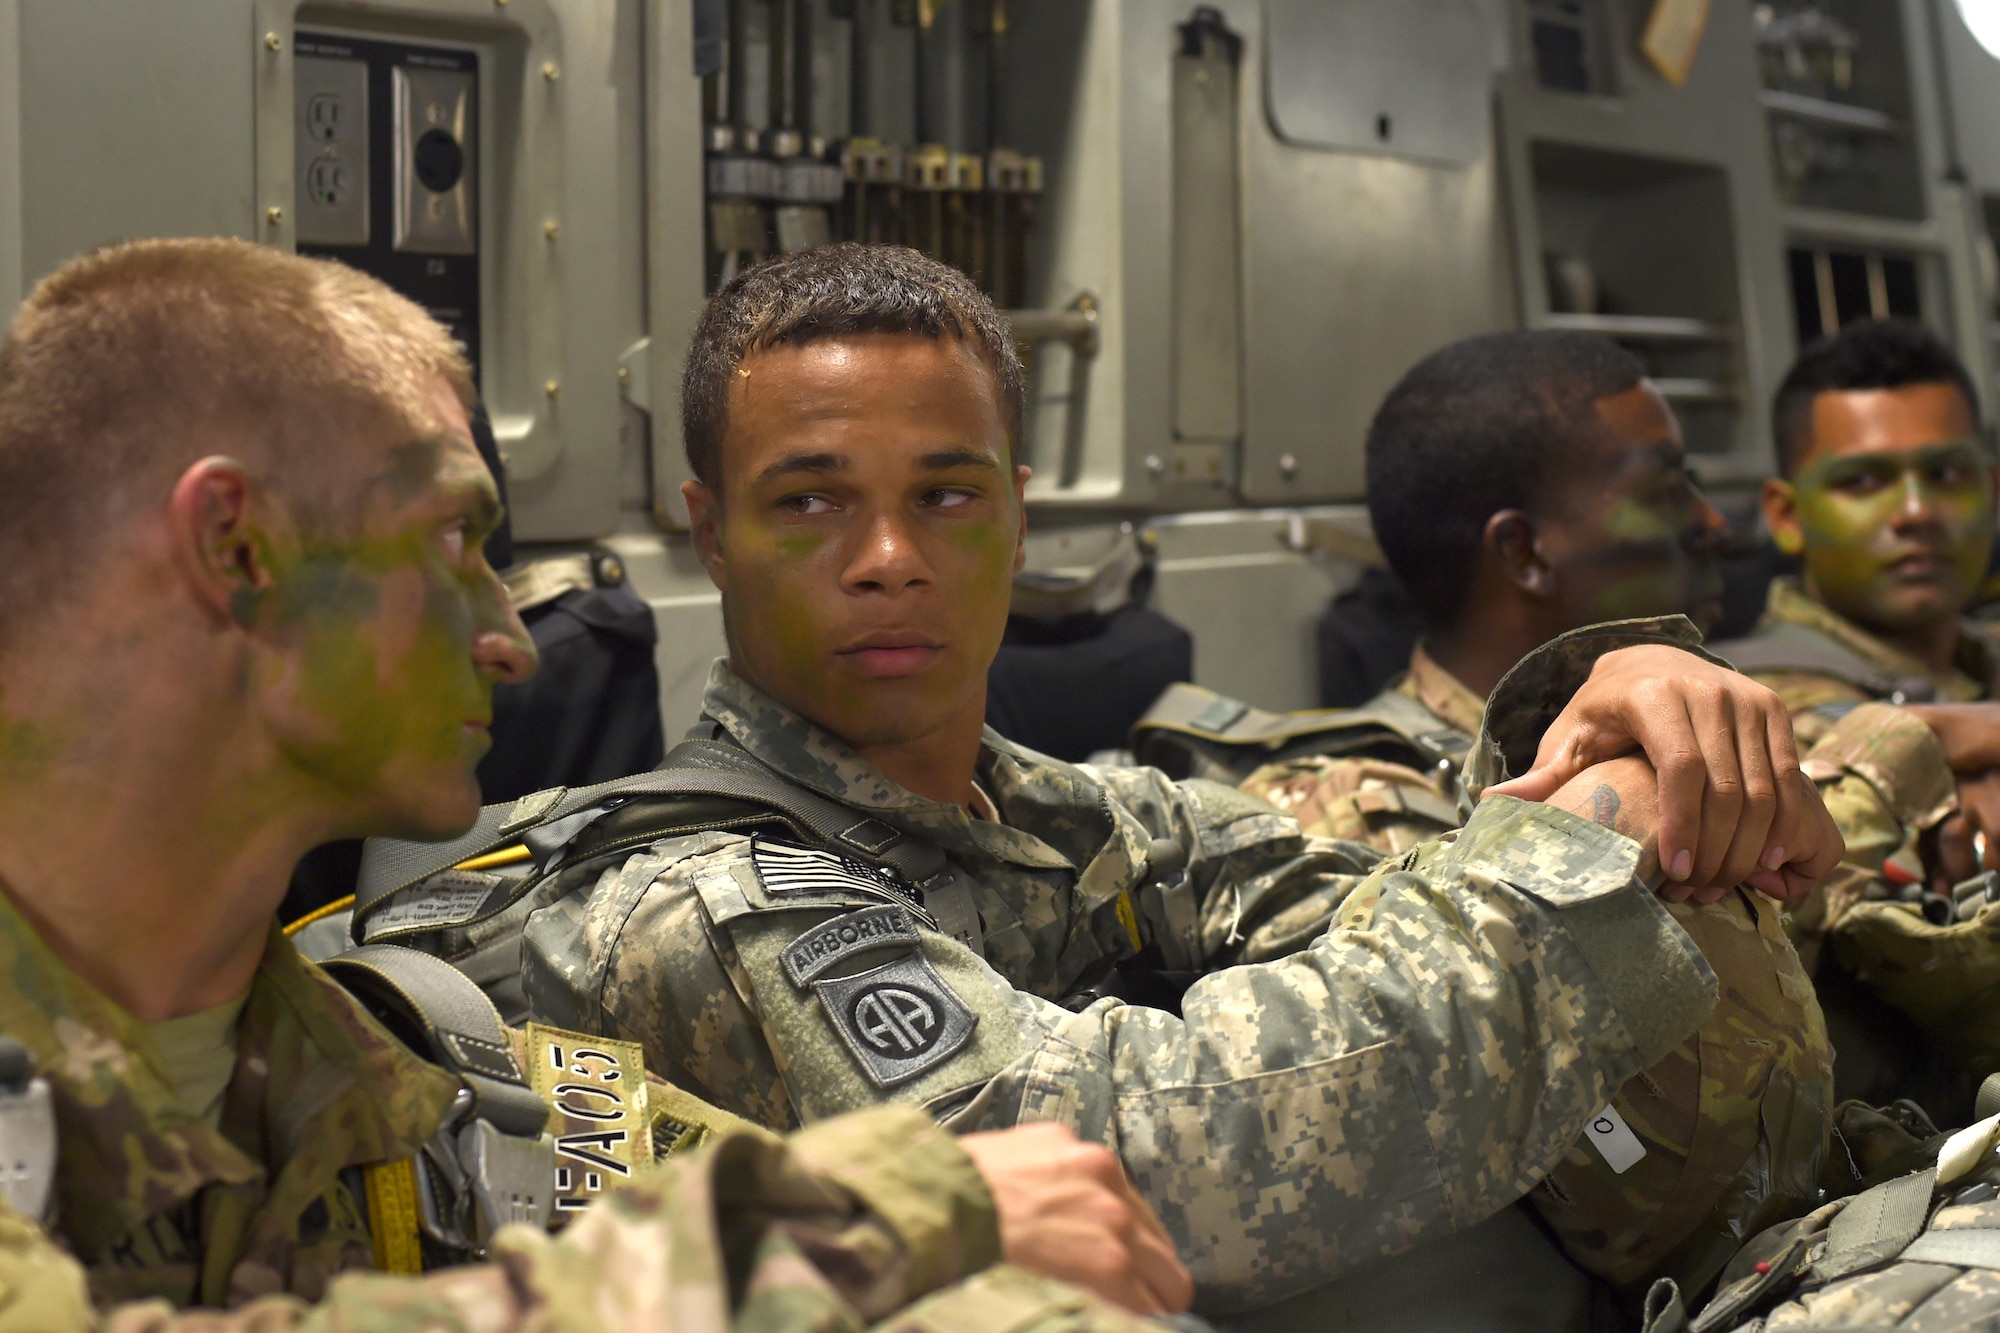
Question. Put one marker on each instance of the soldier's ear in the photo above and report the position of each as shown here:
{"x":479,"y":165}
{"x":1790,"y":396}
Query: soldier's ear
{"x":1512,"y":542}
{"x":217,"y":543}
{"x":705,"y":527}
{"x":1780,"y":503}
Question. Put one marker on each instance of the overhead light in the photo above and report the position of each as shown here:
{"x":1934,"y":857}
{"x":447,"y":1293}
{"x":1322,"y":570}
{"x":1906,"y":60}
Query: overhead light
{"x":1983,"y":17}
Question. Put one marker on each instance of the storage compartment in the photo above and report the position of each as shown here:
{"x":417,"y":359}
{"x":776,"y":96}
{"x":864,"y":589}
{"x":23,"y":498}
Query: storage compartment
{"x":1642,"y":250}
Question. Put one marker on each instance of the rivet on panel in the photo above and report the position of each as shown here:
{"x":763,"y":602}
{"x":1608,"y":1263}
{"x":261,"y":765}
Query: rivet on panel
{"x":274,"y":215}
{"x":551,"y":388}
{"x":1288,"y":466}
{"x":273,"y":42}
{"x":1156,"y":466}
{"x":549,"y":229}
{"x":624,"y":374}
{"x":550,"y":72}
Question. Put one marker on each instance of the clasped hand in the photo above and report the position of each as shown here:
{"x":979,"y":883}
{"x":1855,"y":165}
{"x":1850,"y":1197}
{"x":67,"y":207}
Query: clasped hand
{"x":1720,"y":799}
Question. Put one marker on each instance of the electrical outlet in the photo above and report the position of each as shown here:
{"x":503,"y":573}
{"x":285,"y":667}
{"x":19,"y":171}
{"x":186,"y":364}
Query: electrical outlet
{"x":330,"y":150}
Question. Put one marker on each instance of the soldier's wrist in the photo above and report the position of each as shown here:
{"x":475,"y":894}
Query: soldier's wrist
{"x":918,"y":1180}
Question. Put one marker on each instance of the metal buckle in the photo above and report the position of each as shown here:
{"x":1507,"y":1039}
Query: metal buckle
{"x":473,"y":1179}
{"x":28,"y":1147}
{"x":511,"y":1176}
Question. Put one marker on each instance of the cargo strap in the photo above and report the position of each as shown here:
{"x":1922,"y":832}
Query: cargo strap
{"x":1878,"y":1226}
{"x":461,"y":1029}
{"x":1203,"y":715}
{"x":1784,"y":646}
{"x":490,"y":1164}
{"x":705,"y":765}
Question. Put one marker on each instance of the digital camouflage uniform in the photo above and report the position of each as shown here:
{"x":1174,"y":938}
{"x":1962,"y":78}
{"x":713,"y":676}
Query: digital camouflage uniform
{"x":1335,"y":1098}
{"x":155,"y":1210}
{"x":1944,"y":976}
{"x":1732,"y":1120}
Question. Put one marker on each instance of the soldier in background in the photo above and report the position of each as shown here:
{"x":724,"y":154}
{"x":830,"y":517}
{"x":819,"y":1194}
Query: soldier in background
{"x":1886,"y":496}
{"x":1320,"y":1098}
{"x":246,"y":610}
{"x":1524,"y":484}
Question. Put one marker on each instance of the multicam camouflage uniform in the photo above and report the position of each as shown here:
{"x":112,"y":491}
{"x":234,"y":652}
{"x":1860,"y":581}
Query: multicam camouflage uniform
{"x":1814,"y":697}
{"x":1943,"y":975}
{"x":1733,"y":1119}
{"x":1336,"y":1097}
{"x":157,"y":1210}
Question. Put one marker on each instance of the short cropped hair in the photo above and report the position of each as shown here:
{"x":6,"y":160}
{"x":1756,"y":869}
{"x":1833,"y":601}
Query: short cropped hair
{"x":129,"y":364}
{"x":1475,"y":428}
{"x":1868,"y":354}
{"x":832,"y":292}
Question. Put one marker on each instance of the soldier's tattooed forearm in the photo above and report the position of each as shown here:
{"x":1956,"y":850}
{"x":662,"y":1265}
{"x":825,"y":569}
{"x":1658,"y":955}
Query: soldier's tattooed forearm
{"x":1604,"y":805}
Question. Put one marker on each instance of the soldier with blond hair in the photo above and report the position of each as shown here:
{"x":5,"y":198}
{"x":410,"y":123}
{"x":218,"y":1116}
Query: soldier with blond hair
{"x":243,"y":610}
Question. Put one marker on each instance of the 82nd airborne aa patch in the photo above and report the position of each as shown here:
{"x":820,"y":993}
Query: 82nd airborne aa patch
{"x":900,"y":1019}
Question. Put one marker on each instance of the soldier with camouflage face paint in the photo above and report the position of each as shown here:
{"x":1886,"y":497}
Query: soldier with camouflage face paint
{"x":246,"y":610}
{"x":1886,"y":495}
{"x":1598,"y":509}
{"x":1321,"y":1097}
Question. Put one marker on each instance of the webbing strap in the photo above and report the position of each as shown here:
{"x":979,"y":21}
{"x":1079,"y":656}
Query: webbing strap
{"x":1191,"y":710}
{"x":1787,"y":647}
{"x":459,"y":1023}
{"x":692,"y":768}
{"x":1878,"y":1225}
{"x":394,"y":1224}
{"x":1968,"y":1247}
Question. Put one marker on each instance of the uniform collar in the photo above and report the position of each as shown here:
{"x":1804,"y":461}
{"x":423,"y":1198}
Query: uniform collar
{"x":1023,"y":784}
{"x":1443,"y":693}
{"x":329,"y":1076}
{"x":1975,"y":675}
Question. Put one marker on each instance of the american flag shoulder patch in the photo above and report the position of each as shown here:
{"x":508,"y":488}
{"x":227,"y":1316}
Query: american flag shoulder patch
{"x":789,"y":869}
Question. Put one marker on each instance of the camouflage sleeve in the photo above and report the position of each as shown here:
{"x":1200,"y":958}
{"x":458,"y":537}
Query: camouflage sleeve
{"x":1388,"y":806}
{"x":839,"y":1226}
{"x":1883,"y":776}
{"x":1408,"y":1073}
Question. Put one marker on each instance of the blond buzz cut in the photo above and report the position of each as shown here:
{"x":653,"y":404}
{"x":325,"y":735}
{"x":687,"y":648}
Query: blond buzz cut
{"x":129,"y":364}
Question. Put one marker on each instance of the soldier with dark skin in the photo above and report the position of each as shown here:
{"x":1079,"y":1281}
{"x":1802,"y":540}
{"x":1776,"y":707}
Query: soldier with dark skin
{"x":1596,"y":512}
{"x":849,"y":414}
{"x":240,"y":486}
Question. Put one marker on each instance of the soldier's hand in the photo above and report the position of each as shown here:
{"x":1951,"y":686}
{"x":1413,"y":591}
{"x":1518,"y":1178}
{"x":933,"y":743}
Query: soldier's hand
{"x":1068,"y":1211}
{"x":1969,"y":733}
{"x":1624,"y":795}
{"x":1733,"y":806}
{"x":1972,"y":830}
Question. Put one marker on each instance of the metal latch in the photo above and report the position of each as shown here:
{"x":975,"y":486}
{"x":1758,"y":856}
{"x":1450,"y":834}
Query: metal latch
{"x":27,"y":1133}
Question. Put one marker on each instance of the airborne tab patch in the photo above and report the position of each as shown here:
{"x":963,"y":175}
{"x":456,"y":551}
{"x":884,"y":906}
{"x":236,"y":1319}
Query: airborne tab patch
{"x":814,"y":953}
{"x":787,"y":868}
{"x":900,"y":1020}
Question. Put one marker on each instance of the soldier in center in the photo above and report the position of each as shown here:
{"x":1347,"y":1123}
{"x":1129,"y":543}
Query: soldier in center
{"x":1320,"y":1098}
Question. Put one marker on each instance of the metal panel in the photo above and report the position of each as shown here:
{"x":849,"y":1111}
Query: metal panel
{"x":1409,"y":78}
{"x":437,"y":147}
{"x":134,"y":124}
{"x":1208,"y":282}
{"x":1356,"y":265}
{"x":330,"y":148}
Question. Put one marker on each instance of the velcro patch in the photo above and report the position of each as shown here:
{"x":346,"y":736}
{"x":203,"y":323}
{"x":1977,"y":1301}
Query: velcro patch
{"x":446,"y":899}
{"x":900,"y":1020}
{"x":596,"y":1091}
{"x":814,"y":953}
{"x":792,"y":869}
